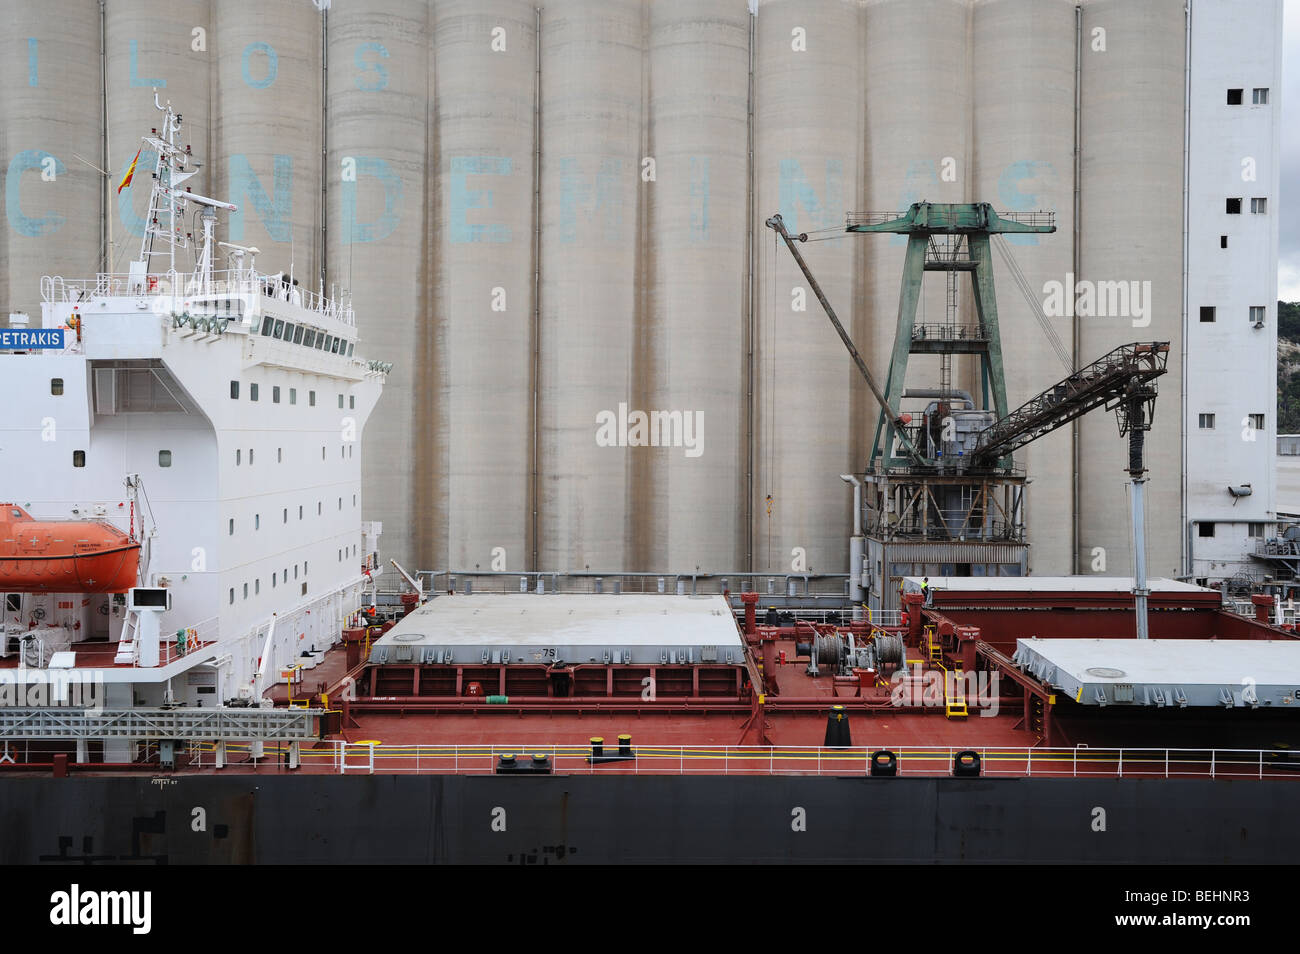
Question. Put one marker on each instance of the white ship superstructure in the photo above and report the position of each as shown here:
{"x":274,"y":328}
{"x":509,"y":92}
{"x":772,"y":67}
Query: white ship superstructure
{"x":235,"y":402}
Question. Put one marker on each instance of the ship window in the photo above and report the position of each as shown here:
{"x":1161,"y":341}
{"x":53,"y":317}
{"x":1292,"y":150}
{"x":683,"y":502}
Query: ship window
{"x":78,"y":458}
{"x":275,"y":394}
{"x":1258,"y":206}
{"x":352,"y":402}
{"x":295,"y":571}
{"x":351,"y":345}
{"x":304,"y":588}
{"x":232,"y":596}
{"x":318,"y":508}
{"x":1256,"y":529}
{"x":1233,"y":206}
{"x":322,"y":452}
{"x":340,"y":400}
{"x":1223,"y":241}
{"x":343,"y":451}
{"x":328,"y":339}
{"x":1207,"y":313}
{"x":238,"y":453}
{"x":1205,"y":529}
{"x":252,"y":392}
{"x":286,"y":515}
{"x":257,"y":587}
{"x":234,"y":390}
{"x":288,"y":332}
{"x":257,"y":521}
{"x":56,"y":386}
{"x":293,"y":395}
{"x":304,"y":567}
{"x":232,"y":527}
{"x":1257,"y":421}
{"x":337,"y":343}
{"x":268,"y":325}
{"x":349,"y":450}
{"x":13,"y":601}
{"x":297,"y":335}
{"x":164,"y":458}
{"x":279,"y":328}
{"x":320,"y":340}
{"x":1234,"y":97}
{"x":273,"y":579}
{"x":299,"y":511}
{"x":245,"y":591}
{"x":311,"y":398}
{"x":279,"y":455}
{"x":354,"y":500}
{"x":340,"y":503}
{"x":309,"y":339}
{"x":250,"y":457}
{"x":1259,"y":96}
{"x":1206,"y":422}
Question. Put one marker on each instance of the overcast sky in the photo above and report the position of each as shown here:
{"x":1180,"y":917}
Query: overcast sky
{"x":1288,"y":266}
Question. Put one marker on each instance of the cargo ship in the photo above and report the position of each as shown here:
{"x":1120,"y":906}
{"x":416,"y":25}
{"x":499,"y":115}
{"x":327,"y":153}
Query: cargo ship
{"x":248,"y":649}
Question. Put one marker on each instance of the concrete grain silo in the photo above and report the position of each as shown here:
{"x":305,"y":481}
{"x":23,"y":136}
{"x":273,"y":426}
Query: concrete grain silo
{"x":485,"y":71}
{"x":808,"y":110}
{"x":377,"y":248}
{"x":269,"y":130}
{"x":1023,"y":83}
{"x":52,"y":200}
{"x":592,"y":144}
{"x":1131,"y":181}
{"x":688,"y":499}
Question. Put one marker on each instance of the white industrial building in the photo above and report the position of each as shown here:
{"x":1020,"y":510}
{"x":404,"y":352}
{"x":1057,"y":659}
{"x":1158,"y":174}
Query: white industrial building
{"x":547,"y":212}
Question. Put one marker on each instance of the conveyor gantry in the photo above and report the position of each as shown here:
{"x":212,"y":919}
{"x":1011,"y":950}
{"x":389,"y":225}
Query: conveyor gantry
{"x":1107,"y":382}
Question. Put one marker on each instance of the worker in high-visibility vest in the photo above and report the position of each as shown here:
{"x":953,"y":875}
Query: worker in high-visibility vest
{"x":925,"y":588}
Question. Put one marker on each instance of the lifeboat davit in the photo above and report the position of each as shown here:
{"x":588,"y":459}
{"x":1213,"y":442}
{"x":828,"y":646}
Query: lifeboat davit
{"x":64,"y":556}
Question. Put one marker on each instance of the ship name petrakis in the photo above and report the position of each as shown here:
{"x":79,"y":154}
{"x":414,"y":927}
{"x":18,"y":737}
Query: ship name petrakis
{"x":624,"y":428}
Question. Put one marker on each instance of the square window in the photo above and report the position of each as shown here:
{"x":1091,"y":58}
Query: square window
{"x":1234,"y":97}
{"x":275,"y":394}
{"x":1207,"y":313}
{"x":1205,"y":529}
{"x":252,"y":392}
{"x":1223,"y":241}
{"x":1256,"y":529}
{"x":1233,"y":206}
{"x":293,"y":395}
{"x":78,"y":458}
{"x":234,"y":390}
{"x":1257,"y":315}
{"x":1257,"y":421}
{"x":164,"y":458}
{"x":1259,"y":96}
{"x":56,"y":386}
{"x":1258,"y":206}
{"x":1206,"y":422}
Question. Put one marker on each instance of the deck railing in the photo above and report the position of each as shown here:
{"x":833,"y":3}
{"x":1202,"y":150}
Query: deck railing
{"x":369,"y":757}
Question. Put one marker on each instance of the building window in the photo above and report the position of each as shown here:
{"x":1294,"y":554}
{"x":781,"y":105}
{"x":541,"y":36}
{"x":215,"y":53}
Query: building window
{"x":1257,"y":315}
{"x":1233,"y":207}
{"x":1258,"y":206}
{"x":1207,"y":313}
{"x":1206,"y":422}
{"x":234,"y":390}
{"x":1223,"y":241}
{"x":1234,"y":97}
{"x":275,"y":394}
{"x":56,"y":386}
{"x":1259,"y":96}
{"x":78,"y":458}
{"x":1257,"y":421}
{"x":311,"y":398}
{"x":252,"y":392}
{"x":232,"y":526}
{"x":164,"y":458}
{"x":340,"y":401}
{"x":293,"y":395}
{"x":1205,"y":529}
{"x":1256,"y":530}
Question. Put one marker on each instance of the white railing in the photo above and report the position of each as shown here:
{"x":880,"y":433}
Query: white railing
{"x":375,"y":757}
{"x":197,"y":636}
{"x":244,"y":283}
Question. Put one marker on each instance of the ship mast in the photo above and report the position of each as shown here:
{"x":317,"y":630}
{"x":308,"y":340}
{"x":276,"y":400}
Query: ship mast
{"x":168,"y":203}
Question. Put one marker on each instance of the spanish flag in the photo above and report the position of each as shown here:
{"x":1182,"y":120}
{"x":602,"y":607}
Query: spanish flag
{"x":130,"y":171}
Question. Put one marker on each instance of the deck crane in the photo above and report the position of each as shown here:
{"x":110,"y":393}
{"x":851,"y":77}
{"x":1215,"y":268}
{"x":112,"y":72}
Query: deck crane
{"x":958,"y":459}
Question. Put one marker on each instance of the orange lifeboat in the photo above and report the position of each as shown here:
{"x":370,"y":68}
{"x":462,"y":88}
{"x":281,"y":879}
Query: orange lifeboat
{"x":64,"y":556}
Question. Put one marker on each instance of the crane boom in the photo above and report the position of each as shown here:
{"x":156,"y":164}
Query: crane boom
{"x":776,"y":224}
